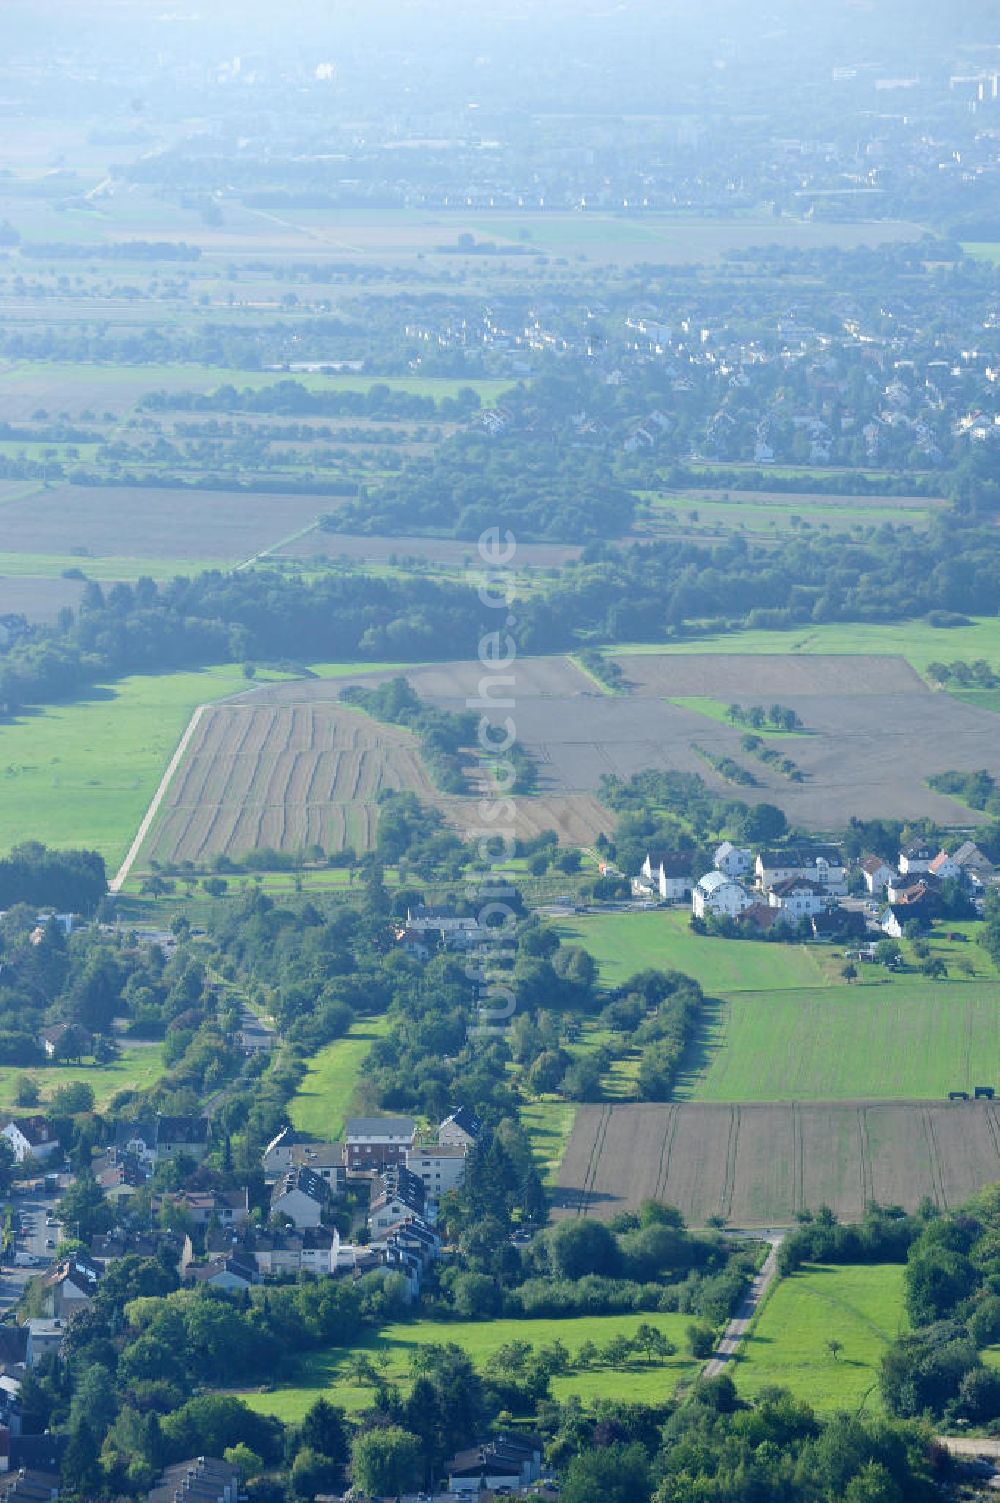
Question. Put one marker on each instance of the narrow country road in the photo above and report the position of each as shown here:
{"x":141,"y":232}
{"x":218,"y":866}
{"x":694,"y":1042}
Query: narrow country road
{"x":735,"y":1333}
{"x":121,"y":876}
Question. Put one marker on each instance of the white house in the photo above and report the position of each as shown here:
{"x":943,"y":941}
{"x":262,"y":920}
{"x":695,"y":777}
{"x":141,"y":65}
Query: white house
{"x":440,"y":1167}
{"x":315,"y":1249}
{"x":29,"y":1137}
{"x":669,"y":874}
{"x":916,"y":858}
{"x":818,"y":863}
{"x":715,"y":893}
{"x":300,"y":1195}
{"x":397,"y":1195}
{"x":799,"y":897}
{"x":734,"y":860}
{"x":877,"y":873}
{"x":456,"y":930}
{"x":502,"y":1464}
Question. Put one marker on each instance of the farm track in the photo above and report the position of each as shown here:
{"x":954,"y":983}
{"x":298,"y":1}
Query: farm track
{"x":934,"y":1152}
{"x":798,"y":1149}
{"x":121,"y":876}
{"x":732,"y":1150}
{"x":669,"y":1132}
{"x":865,"y":1159}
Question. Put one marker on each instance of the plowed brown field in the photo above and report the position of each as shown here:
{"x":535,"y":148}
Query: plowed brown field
{"x":756,"y":1165}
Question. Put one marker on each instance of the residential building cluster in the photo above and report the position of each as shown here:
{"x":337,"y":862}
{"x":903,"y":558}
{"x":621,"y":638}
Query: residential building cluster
{"x":809,"y":884}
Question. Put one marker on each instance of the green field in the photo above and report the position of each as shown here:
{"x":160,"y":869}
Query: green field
{"x":82,"y":774}
{"x":794,"y":513}
{"x":861,"y":1307}
{"x":87,"y":380}
{"x":980,"y":699}
{"x":326,"y":1373}
{"x":908,"y":1038}
{"x":55,"y":565}
{"x":916,"y":641}
{"x":138,"y":1069}
{"x":548,"y":1123}
{"x":623,"y":943}
{"x":323,"y":1100}
{"x":715,"y":709}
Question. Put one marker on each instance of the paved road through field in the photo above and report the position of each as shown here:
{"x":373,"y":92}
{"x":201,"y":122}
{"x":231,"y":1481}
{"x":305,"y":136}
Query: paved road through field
{"x":735,"y":1333}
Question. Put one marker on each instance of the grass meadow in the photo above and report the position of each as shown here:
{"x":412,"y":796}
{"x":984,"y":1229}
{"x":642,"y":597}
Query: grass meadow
{"x":82,"y":773}
{"x":323,"y":1100}
{"x":327,"y":1374}
{"x":138,"y":1069}
{"x":875,"y":1042}
{"x":695,"y":513}
{"x":55,"y":565}
{"x":861,"y":1307}
{"x":916,"y":641}
{"x":623,"y":943}
{"x":715,"y":709}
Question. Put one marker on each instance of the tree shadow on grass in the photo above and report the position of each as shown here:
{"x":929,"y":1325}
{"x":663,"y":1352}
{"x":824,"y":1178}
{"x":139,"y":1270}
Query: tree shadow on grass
{"x":704,"y":1044}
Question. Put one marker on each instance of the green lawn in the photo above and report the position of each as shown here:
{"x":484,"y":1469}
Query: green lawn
{"x":325,"y":1373}
{"x":980,"y":699}
{"x":861,"y":1307}
{"x":85,"y":378}
{"x":623,"y":943}
{"x":715,"y":709}
{"x":909,"y":1037}
{"x":138,"y":1069}
{"x":548,"y":1123}
{"x":789,"y":514}
{"x":915,"y":641}
{"x":54,"y":565}
{"x":82,"y":773}
{"x":323,"y":1100}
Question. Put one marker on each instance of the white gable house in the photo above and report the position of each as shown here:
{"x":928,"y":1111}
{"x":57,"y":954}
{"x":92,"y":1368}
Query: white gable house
{"x":717,"y":894}
{"x":734,"y":860}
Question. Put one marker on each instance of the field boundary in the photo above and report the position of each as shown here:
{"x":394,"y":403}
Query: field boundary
{"x":121,"y":876}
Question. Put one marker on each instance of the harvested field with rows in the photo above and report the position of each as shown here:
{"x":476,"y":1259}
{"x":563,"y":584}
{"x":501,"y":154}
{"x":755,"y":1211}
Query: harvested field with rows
{"x":874,"y":732}
{"x":756,"y":1165}
{"x":285,"y":777}
{"x":260,"y":772}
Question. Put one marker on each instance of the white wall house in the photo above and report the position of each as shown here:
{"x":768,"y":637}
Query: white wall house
{"x":823,"y":864}
{"x":669,"y":874}
{"x":877,"y":873}
{"x":300,"y":1195}
{"x":799,"y":897}
{"x":916,"y":858}
{"x":715,"y":893}
{"x":30,"y":1137}
{"x":734,"y":860}
{"x":441,"y":1168}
